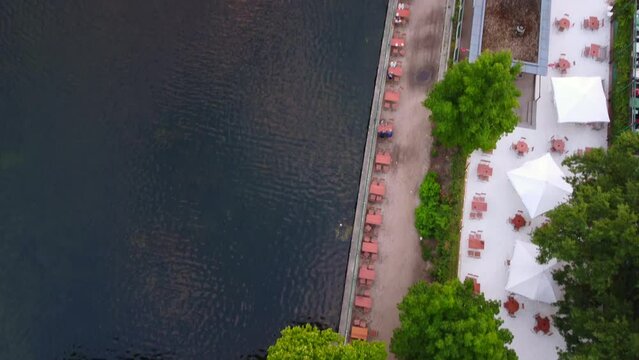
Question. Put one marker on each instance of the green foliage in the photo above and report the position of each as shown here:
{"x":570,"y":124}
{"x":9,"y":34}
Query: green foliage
{"x":475,"y":102}
{"x":597,"y":235}
{"x":431,"y":216}
{"x":308,"y":342}
{"x":448,"y":321}
{"x":623,"y":47}
{"x":445,"y":260}
{"x":456,"y":201}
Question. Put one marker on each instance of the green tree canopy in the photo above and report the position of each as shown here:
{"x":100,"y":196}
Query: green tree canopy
{"x":475,"y":102}
{"x":309,"y":342}
{"x":596,"y":234}
{"x":449,"y":321}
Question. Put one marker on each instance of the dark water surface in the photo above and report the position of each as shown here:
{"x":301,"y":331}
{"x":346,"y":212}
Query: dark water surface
{"x":173,"y":173}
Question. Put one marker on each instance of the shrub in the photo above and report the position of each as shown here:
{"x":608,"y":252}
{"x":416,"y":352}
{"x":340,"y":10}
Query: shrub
{"x":431,"y":216}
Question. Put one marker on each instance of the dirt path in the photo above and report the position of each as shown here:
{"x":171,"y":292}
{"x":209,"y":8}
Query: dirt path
{"x":400,"y":263}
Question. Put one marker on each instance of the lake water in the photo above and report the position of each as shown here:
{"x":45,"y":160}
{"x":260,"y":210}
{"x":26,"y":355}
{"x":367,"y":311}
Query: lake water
{"x":173,"y":174}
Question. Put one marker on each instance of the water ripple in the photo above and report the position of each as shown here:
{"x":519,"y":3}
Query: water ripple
{"x":180,"y":172}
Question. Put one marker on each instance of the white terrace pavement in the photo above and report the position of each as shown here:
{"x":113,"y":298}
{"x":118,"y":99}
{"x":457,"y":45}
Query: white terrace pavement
{"x":504,"y":202}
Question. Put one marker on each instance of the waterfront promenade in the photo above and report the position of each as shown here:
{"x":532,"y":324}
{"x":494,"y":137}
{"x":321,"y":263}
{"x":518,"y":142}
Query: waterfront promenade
{"x":400,"y":264}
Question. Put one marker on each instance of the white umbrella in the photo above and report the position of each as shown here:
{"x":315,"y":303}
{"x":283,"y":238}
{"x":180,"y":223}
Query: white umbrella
{"x":529,"y":278}
{"x":580,"y":99}
{"x":540,"y":184}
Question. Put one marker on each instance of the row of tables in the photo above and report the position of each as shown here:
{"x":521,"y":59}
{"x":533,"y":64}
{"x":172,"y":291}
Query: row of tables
{"x":591,"y":22}
{"x":377,"y":188}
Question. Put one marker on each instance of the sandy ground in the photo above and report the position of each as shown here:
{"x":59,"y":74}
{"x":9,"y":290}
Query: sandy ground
{"x":400,"y":264}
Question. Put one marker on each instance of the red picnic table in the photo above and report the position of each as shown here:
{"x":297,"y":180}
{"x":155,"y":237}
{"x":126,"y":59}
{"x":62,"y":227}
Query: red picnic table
{"x":558,"y":145}
{"x":521,"y":147}
{"x":366,"y":273}
{"x":518,"y":221}
{"x":374,"y":219}
{"x":359,"y":333}
{"x":403,"y":13}
{"x":391,"y":96}
{"x":378,"y":188}
{"x":563,"y":64}
{"x":396,"y":71}
{"x":475,"y":242}
{"x":512,"y":305}
{"x":364,"y":302}
{"x":563,"y":24}
{"x":479,"y":205}
{"x":543,"y":324}
{"x":369,"y":247}
{"x":383,"y":158}
{"x":593,"y":52}
{"x":397,"y":42}
{"x":484,"y":171}
{"x":592,"y":23}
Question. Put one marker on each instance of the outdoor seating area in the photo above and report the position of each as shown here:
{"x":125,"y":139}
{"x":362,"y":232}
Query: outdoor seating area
{"x":382,"y":161}
{"x":521,"y":147}
{"x":478,"y":206}
{"x":398,"y":43}
{"x":395,"y":70}
{"x":518,"y":221}
{"x":385,"y":129}
{"x":391,"y":100}
{"x":562,"y":65}
{"x":558,"y":145}
{"x":484,"y":170}
{"x":563,"y":23}
{"x":526,"y":179}
{"x":512,"y":306}
{"x":597,"y":52}
{"x":475,"y":244}
{"x":402,"y":14}
{"x":542,"y":323}
{"x":593,"y":23}
{"x":378,"y":187}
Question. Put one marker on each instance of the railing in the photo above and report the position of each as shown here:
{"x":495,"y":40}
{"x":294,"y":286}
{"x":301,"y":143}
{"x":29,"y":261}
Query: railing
{"x":458,"y":30}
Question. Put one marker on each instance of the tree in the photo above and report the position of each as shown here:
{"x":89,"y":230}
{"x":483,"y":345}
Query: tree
{"x":474,"y":104}
{"x":309,"y":342}
{"x":596,"y":235}
{"x":449,"y":321}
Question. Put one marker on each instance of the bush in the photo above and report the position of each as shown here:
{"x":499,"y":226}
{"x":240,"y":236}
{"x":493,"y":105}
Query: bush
{"x":622,"y":56}
{"x":431,"y":216}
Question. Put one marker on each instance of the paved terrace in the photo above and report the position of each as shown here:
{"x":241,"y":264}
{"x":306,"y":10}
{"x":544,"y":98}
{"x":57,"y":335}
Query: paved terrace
{"x":399,"y":264}
{"x":503,"y":201}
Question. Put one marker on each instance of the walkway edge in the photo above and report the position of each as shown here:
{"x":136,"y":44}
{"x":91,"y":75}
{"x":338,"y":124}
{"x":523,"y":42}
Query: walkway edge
{"x":350,"y":283}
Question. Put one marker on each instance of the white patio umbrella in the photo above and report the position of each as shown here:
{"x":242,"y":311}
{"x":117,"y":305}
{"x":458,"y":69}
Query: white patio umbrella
{"x":529,"y":278}
{"x":540,"y":184}
{"x":580,"y":99}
